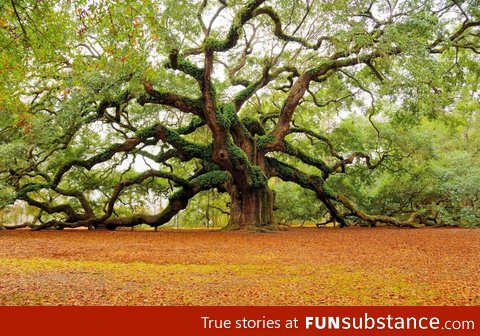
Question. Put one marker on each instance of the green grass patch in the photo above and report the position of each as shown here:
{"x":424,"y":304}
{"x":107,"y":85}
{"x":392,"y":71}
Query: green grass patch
{"x":60,"y":281}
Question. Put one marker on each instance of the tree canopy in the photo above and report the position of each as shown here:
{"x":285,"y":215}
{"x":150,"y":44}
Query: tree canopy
{"x":115,"y":114}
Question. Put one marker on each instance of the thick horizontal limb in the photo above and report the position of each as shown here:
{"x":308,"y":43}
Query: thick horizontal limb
{"x":305,"y":158}
{"x":57,"y":209}
{"x":182,"y":103}
{"x":411,"y":222}
{"x":177,"y":201}
{"x":184,"y":149}
{"x":138,"y":180}
{"x":289,"y":173}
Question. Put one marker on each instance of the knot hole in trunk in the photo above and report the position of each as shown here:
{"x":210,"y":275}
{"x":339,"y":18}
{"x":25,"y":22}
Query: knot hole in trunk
{"x":222,"y":155}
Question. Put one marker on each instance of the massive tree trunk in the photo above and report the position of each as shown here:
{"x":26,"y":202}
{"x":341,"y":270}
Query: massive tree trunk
{"x":251,"y":209}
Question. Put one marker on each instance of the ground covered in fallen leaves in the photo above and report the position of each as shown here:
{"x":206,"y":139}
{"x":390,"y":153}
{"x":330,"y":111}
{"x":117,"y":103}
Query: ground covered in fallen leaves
{"x":309,"y":266}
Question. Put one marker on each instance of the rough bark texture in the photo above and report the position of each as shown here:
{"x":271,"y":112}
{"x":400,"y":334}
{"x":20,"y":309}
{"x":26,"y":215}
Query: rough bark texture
{"x":251,"y":210}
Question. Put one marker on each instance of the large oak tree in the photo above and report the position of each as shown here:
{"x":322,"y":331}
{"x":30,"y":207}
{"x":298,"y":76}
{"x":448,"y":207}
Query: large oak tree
{"x":212,"y":95}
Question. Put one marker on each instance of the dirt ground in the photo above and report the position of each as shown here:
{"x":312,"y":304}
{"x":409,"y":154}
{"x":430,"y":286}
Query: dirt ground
{"x":354,"y":266}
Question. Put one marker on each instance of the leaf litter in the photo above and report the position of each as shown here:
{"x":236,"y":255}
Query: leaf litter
{"x":305,"y":266}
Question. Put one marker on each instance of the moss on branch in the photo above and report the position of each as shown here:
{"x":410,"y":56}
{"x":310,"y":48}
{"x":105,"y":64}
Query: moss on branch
{"x":245,"y":94}
{"x":234,"y":32}
{"x":162,"y":97}
{"x":31,"y":187}
{"x":259,"y":179}
{"x":253,"y":126}
{"x":173,"y":138}
{"x":205,"y":181}
{"x":226,"y":115}
{"x":265,"y":140}
{"x":146,"y":132}
{"x":211,"y":179}
{"x":191,"y":69}
{"x":177,"y":62}
{"x":305,"y":158}
{"x":237,"y":155}
{"x":177,"y":194}
{"x":315,"y":183}
{"x":195,"y":123}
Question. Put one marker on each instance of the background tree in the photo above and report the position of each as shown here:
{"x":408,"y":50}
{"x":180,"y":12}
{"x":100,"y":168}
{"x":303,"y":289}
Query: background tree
{"x":102,"y":100}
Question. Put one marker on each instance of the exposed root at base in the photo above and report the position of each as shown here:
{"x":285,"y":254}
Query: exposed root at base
{"x":254,"y":228}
